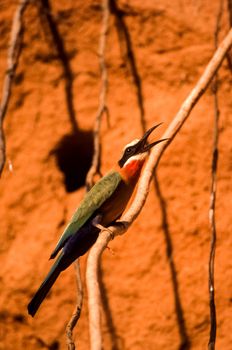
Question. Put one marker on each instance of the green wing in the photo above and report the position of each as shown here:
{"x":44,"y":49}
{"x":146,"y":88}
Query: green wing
{"x":98,"y":194}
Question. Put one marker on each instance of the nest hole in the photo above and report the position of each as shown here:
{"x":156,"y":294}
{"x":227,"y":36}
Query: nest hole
{"x":73,"y":155}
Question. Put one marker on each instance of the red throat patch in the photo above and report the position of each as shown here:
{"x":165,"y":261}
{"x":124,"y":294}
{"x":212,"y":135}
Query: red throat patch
{"x":133,"y":168}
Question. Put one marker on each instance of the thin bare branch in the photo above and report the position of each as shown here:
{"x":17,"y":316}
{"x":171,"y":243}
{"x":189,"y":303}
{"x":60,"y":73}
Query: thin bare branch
{"x":97,"y":149}
{"x":12,"y":61}
{"x":94,"y":169}
{"x":142,"y":192}
{"x":77,"y":311}
{"x":102,"y":108}
{"x":213,"y":319}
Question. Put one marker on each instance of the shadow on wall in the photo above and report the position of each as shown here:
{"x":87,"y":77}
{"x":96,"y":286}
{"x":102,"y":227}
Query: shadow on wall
{"x":129,"y":56}
{"x":51,"y":26}
{"x":185,"y":343}
{"x":74,"y":151}
{"x":73,"y":155}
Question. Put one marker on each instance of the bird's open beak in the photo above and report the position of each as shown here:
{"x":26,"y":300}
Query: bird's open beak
{"x":143,"y":146}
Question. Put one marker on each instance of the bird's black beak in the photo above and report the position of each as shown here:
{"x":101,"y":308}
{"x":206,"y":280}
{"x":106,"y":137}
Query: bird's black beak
{"x":143,"y":146}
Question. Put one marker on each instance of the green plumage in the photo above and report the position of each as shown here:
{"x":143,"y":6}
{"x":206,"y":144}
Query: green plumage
{"x":92,"y":201}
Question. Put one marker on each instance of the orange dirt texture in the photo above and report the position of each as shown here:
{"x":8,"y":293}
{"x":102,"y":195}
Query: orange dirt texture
{"x":155,"y":284}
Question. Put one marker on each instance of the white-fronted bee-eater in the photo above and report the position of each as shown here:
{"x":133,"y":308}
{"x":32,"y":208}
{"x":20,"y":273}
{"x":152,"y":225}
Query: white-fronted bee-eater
{"x":101,"y":206}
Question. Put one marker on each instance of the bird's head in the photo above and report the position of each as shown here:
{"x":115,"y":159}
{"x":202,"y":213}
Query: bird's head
{"x":137,"y":150}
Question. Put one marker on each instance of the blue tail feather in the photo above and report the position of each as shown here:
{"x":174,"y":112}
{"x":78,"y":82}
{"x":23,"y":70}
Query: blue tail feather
{"x":44,"y":288}
{"x":75,"y":246}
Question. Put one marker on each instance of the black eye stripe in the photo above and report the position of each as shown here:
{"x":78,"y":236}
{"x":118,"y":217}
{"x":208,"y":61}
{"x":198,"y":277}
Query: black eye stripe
{"x":128,"y":152}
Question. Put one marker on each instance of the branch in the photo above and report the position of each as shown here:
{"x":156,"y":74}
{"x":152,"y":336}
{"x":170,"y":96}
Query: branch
{"x":77,"y":311}
{"x":141,"y":195}
{"x":94,"y":169}
{"x":213,"y":319}
{"x":12,"y":62}
{"x":96,"y":157}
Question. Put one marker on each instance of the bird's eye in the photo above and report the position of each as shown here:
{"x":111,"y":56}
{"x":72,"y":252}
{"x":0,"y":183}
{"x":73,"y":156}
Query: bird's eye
{"x":128,"y":150}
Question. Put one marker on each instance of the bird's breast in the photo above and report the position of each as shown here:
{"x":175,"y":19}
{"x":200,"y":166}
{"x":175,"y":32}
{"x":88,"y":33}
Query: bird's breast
{"x":113,"y":208}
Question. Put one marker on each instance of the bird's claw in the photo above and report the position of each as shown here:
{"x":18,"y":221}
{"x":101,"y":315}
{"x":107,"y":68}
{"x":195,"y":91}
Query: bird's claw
{"x":102,"y":228}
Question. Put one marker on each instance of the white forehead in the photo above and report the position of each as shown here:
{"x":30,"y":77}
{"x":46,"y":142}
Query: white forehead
{"x":139,"y":156}
{"x":132,"y":143}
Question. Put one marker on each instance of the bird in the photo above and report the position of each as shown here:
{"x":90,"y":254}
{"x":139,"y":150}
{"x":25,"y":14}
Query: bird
{"x":102,"y":206}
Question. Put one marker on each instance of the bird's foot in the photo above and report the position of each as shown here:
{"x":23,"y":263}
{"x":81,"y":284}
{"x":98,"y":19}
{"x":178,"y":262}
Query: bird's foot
{"x":102,"y":228}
